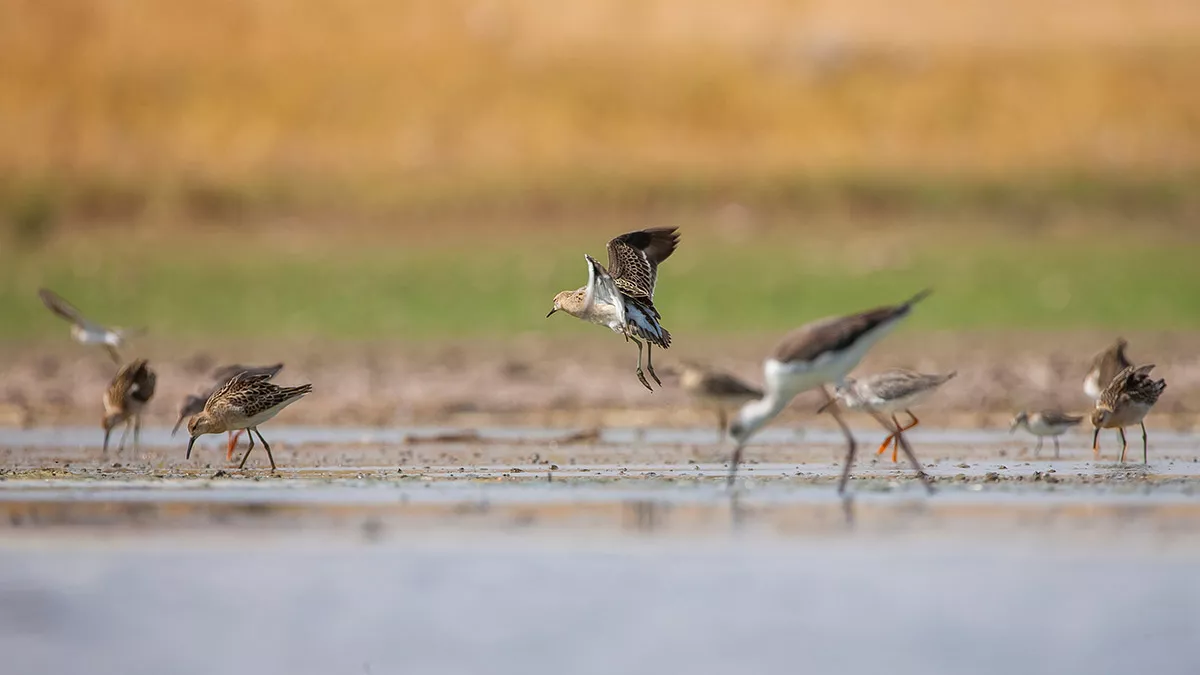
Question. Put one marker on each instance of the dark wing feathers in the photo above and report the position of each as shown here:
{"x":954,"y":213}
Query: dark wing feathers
{"x":144,"y":382}
{"x":633,"y":259}
{"x":224,"y":373}
{"x":133,"y":382}
{"x":1132,"y":384}
{"x":252,"y":393}
{"x":836,"y":334}
{"x":55,"y":303}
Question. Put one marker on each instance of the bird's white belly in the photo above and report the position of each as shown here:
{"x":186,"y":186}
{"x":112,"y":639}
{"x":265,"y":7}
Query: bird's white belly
{"x":790,"y":379}
{"x":895,"y":405}
{"x":1130,"y":414}
{"x":604,"y":314}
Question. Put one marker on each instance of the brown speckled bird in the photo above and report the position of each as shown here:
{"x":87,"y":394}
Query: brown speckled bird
{"x":128,"y":393}
{"x":244,"y":402}
{"x":622,"y":296}
{"x":1125,"y":402}
{"x":194,"y":403}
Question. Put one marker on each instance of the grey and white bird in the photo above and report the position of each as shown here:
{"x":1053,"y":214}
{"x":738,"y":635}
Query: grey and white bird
{"x":86,"y":331}
{"x":814,"y":355}
{"x":1043,"y":423}
{"x":890,"y":392}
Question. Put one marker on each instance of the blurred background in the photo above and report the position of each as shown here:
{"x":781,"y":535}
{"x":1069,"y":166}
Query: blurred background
{"x":340,"y":175}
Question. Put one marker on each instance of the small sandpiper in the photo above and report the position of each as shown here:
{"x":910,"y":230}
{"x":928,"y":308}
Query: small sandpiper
{"x":1042,"y":423}
{"x":85,"y":331}
{"x":1104,"y":368}
{"x":128,"y":393}
{"x":888,"y":393}
{"x":194,"y":403}
{"x":1125,"y":402}
{"x":819,"y":353}
{"x":716,"y":390}
{"x":622,"y":297}
{"x":244,"y":402}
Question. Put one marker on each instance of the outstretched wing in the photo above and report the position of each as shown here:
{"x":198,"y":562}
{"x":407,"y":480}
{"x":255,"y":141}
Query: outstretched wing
{"x":601,"y":287}
{"x":633,"y":259}
{"x":55,"y":303}
{"x":225,"y":373}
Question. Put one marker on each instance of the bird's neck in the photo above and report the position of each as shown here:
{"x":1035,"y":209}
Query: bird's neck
{"x":757,"y":413}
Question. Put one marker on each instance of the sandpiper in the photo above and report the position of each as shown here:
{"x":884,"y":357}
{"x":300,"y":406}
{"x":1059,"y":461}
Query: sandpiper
{"x":622,"y":297}
{"x":85,"y":331}
{"x":1125,"y":402}
{"x":715,"y":389}
{"x":128,"y":393}
{"x":1042,"y":423}
{"x":819,"y":353}
{"x":1105,"y":367}
{"x":194,"y":403}
{"x":244,"y":402}
{"x":888,"y":393}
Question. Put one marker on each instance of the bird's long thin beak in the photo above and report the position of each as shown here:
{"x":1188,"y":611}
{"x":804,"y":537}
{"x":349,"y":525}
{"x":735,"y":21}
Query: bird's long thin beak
{"x":830,"y":402}
{"x":176,"y":427}
{"x":551,"y":312}
{"x":107,"y":433}
{"x":1095,"y":438}
{"x":191,"y":442}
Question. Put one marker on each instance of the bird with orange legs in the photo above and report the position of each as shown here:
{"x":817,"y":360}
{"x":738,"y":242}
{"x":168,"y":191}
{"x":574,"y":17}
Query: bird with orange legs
{"x":890,"y":392}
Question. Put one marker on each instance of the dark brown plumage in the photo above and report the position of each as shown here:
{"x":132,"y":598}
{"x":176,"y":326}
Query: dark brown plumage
{"x":1125,"y":402}
{"x":244,"y":402}
{"x":634,"y":257}
{"x":1105,"y":366}
{"x":836,"y":334}
{"x":130,"y":390}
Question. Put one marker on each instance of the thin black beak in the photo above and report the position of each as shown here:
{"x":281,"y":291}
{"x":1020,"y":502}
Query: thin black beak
{"x":551,"y":312}
{"x":1095,"y":438}
{"x":176,"y":427}
{"x":191,"y":442}
{"x":107,"y":433}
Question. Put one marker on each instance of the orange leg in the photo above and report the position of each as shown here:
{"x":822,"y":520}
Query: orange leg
{"x":233,"y":437}
{"x":899,"y":429}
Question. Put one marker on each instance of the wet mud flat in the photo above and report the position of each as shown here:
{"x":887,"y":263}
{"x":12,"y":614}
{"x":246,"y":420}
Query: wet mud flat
{"x":434,"y":550}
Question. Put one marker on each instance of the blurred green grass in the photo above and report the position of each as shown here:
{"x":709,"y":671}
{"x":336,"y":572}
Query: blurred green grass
{"x":503,"y":287}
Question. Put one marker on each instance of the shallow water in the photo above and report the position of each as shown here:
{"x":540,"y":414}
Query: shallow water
{"x":360,"y":558}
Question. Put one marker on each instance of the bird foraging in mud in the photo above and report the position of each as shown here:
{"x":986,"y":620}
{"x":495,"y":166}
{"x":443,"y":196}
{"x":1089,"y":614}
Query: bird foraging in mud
{"x":244,"y":402}
{"x":622,"y":296}
{"x":194,"y":403}
{"x":1125,"y":402}
{"x":890,"y":392}
{"x":128,"y":393}
{"x":1042,"y":423}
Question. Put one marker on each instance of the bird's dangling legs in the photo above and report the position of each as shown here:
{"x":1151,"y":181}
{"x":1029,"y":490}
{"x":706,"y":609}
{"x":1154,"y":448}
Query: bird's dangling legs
{"x":641,"y":375}
{"x":1055,"y":446}
{"x":650,"y":363}
{"x":247,"y":455}
{"x":1037,"y":448}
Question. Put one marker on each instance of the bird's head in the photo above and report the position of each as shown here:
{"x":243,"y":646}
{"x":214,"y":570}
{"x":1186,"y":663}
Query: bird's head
{"x":1020,"y":418}
{"x":1100,"y":417}
{"x":570,"y":302}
